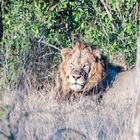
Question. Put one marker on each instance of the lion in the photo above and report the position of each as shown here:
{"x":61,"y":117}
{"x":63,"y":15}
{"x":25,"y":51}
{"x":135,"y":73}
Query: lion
{"x":84,"y":70}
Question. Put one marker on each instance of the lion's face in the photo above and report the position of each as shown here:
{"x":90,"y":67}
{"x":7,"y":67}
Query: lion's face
{"x":81,"y":69}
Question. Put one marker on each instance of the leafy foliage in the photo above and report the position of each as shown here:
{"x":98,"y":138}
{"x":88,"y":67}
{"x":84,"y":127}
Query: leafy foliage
{"x":35,"y":30}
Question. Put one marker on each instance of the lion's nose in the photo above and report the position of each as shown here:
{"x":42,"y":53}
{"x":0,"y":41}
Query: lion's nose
{"x":76,"y":77}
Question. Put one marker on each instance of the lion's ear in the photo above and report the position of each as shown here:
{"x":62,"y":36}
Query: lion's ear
{"x":65,"y":53}
{"x":97,"y":54}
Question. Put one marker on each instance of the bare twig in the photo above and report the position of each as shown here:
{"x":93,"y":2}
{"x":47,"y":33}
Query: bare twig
{"x":48,"y":44}
{"x":4,"y":134}
{"x":68,"y":131}
{"x":108,"y":13}
{"x":104,"y":30}
{"x":51,"y":8}
{"x":12,"y":135}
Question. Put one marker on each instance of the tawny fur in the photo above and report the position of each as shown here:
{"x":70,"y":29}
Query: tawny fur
{"x":96,"y":73}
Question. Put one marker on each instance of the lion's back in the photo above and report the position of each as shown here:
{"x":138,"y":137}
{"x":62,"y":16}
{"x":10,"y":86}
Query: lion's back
{"x":122,"y":88}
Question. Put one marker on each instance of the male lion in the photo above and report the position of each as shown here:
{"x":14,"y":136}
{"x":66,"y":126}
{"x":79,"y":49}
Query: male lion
{"x":84,"y":70}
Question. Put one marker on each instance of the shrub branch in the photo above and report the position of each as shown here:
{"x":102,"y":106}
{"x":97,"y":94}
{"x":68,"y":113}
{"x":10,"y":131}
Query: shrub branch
{"x":108,"y":13}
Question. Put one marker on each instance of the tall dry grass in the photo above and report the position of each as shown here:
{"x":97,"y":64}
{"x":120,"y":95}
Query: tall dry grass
{"x":41,"y":114}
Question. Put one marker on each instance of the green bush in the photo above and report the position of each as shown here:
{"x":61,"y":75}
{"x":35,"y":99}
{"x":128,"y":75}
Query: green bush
{"x":35,"y":30}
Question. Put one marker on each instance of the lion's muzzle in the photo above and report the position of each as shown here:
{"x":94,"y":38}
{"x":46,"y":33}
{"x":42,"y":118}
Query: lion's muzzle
{"x":77,"y":80}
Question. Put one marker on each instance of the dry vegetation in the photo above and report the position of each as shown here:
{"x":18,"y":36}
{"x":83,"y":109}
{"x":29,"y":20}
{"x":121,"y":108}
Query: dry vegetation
{"x":40,"y":114}
{"x":30,"y":113}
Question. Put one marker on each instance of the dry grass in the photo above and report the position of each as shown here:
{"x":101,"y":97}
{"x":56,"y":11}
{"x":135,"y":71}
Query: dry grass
{"x":40,"y":114}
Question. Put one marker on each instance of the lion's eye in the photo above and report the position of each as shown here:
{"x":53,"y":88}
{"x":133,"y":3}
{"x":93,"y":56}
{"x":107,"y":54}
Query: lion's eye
{"x":86,"y":67}
{"x":71,"y":66}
